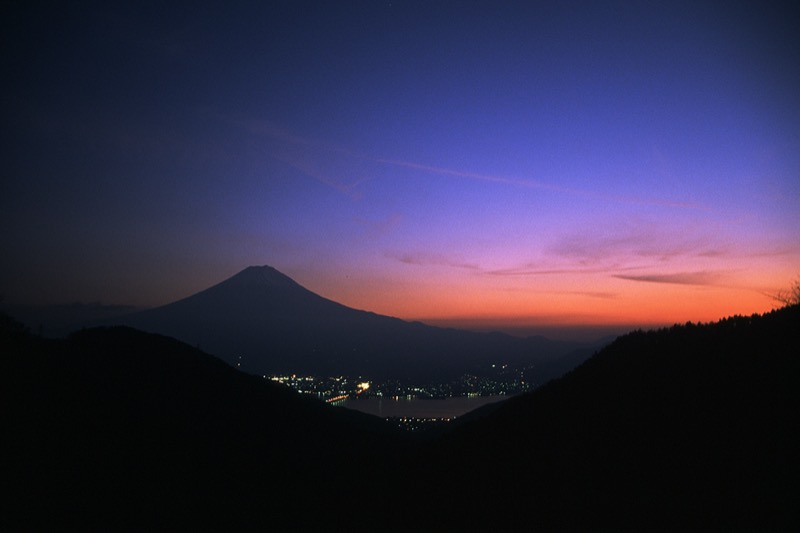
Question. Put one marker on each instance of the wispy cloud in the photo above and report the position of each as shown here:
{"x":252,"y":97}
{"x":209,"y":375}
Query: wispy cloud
{"x":651,"y":245}
{"x":679,"y":278}
{"x":322,"y":171}
{"x":432,"y":259}
{"x":267,"y":129}
{"x":544,"y":270}
{"x":594,"y":294}
{"x":639,"y":242}
{"x":380,"y":228}
{"x":531,"y":184}
{"x":600,"y":295}
{"x":344,"y":169}
{"x":536,"y":184}
{"x":327,"y":163}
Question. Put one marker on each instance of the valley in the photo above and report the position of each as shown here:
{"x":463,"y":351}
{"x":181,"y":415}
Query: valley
{"x":665,"y":429}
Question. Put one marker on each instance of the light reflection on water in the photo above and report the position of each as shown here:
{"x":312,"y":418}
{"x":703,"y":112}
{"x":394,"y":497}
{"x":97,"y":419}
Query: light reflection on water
{"x":419,"y":408}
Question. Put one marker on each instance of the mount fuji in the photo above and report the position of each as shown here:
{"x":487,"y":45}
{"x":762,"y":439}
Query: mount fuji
{"x":264,"y":322}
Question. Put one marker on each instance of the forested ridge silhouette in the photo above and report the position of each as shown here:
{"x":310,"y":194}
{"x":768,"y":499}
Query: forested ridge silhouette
{"x":692,"y":425}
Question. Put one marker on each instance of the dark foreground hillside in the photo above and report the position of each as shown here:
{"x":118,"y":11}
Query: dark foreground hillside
{"x":115,"y":429}
{"x":692,"y":427}
{"x":695,"y":426}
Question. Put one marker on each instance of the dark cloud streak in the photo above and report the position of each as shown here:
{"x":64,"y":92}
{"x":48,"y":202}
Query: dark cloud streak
{"x":678,"y":278}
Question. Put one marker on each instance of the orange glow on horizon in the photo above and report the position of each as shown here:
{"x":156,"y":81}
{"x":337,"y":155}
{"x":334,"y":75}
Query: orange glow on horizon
{"x":564,"y":301}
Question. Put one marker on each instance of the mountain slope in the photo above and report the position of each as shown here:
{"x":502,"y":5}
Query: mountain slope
{"x":118,"y":428}
{"x":691,"y":426}
{"x":267,"y":323}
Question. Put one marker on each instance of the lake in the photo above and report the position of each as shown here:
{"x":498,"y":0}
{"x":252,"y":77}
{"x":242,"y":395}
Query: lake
{"x":418,"y":407}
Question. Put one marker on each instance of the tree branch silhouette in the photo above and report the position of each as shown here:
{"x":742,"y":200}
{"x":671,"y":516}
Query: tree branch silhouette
{"x":790,"y":296}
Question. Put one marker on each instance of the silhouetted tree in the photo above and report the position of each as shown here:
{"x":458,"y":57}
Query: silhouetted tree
{"x":789,"y":296}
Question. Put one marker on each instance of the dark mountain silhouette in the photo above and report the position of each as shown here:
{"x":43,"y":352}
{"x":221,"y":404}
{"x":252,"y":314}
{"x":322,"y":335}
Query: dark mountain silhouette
{"x":267,"y":323}
{"x":114,"y":428}
{"x":690,"y":427}
{"x":58,"y":321}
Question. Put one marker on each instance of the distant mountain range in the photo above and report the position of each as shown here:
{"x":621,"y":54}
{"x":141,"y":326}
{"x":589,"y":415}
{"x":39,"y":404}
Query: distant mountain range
{"x":692,"y":427}
{"x":264,"y":322}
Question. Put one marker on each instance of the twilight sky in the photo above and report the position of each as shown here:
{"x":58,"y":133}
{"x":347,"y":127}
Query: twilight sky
{"x":503,"y":163}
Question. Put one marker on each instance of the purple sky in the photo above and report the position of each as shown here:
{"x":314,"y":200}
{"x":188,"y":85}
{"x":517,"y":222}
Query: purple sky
{"x":522,"y":163}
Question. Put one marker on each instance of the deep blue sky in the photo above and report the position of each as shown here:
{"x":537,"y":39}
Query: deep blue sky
{"x":541,"y":162}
